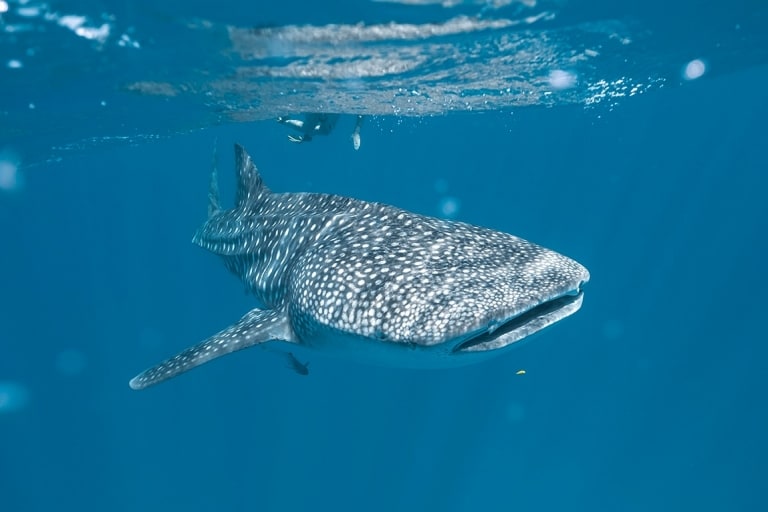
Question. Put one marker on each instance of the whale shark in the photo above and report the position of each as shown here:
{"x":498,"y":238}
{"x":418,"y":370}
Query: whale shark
{"x":373,"y":283}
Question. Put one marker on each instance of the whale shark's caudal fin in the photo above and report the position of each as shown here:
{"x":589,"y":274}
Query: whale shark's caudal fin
{"x":250,"y":187}
{"x":258,"y":326}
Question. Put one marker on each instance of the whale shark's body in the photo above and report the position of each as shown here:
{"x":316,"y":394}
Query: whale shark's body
{"x":374,"y":282}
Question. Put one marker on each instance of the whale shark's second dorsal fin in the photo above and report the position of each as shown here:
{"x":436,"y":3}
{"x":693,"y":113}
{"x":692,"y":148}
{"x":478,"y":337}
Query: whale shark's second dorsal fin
{"x":250,"y":187}
{"x":214,"y":204}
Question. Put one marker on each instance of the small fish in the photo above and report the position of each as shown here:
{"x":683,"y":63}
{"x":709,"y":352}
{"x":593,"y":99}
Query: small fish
{"x":356,"y":133}
{"x":296,"y":365}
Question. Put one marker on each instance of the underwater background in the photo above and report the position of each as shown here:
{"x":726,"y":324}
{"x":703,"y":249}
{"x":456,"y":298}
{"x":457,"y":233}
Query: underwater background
{"x":630,"y":136}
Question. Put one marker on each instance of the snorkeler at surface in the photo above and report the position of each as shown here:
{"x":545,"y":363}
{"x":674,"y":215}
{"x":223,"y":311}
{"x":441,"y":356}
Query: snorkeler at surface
{"x":318,"y":124}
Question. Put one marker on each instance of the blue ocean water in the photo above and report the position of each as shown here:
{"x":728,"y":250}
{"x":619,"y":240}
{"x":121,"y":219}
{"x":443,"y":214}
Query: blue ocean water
{"x":629,"y":136}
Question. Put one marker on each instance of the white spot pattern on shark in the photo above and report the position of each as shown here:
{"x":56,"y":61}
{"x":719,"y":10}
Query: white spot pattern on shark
{"x":374,"y":282}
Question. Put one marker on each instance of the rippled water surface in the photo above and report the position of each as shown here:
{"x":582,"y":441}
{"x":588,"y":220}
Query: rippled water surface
{"x":77,"y":71}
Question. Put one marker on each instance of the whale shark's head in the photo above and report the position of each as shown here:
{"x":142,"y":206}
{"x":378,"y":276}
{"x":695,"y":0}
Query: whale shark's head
{"x":450,"y":291}
{"x":549,"y":297}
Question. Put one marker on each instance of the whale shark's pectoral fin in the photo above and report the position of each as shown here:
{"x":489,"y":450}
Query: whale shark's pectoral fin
{"x":258,"y":326}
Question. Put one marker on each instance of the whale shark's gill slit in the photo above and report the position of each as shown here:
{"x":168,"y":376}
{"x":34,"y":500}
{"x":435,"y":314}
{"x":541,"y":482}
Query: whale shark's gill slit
{"x":542,"y":310}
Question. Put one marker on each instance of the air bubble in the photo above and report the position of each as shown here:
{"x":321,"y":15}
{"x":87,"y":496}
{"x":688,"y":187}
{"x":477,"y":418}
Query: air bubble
{"x":694,"y":69}
{"x":560,"y":79}
{"x":13,"y":396}
{"x":449,"y":207}
{"x":9,"y":172}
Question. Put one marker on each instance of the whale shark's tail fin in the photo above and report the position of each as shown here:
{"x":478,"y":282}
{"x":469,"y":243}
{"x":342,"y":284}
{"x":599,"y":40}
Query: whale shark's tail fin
{"x":257,"y":326}
{"x":250,"y":187}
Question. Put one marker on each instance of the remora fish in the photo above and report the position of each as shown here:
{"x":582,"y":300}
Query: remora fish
{"x":374,"y":282}
{"x":296,"y":365}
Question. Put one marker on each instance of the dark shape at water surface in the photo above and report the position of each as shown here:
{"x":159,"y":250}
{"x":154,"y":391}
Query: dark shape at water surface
{"x":309,"y":125}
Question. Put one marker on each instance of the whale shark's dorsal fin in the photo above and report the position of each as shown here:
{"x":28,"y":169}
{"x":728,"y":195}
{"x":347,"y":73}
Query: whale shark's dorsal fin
{"x":214,"y":204}
{"x":250,"y":187}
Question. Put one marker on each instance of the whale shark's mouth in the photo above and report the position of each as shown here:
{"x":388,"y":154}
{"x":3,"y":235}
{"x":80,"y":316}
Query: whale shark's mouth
{"x":524,"y":324}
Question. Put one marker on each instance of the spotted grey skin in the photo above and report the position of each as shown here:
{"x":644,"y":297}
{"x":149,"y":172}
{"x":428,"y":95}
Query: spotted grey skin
{"x":373,"y":282}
